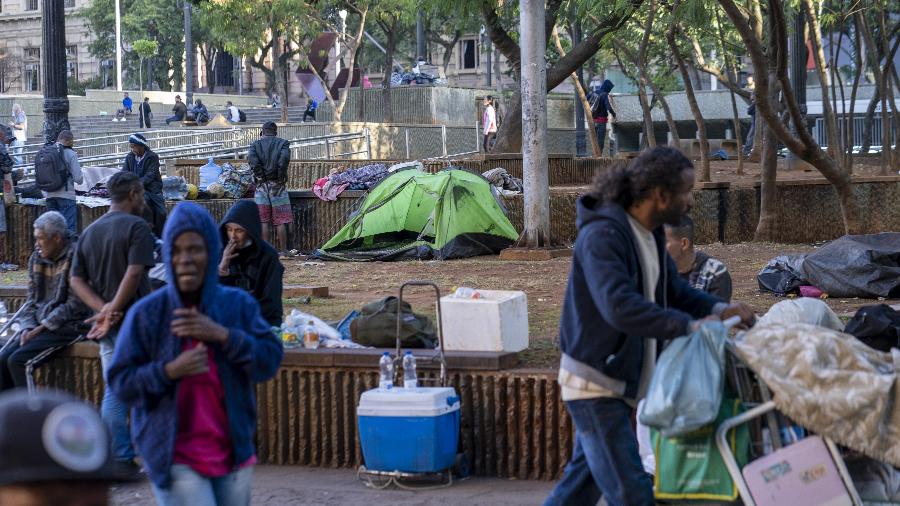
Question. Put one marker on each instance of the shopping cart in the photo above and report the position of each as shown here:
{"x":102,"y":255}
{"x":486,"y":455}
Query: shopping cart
{"x":773,"y":477}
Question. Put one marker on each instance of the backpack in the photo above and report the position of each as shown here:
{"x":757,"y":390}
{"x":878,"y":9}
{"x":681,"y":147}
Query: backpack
{"x":598,"y":104}
{"x":376,"y":326}
{"x":594,"y":102}
{"x":242,"y":116}
{"x":50,"y":170}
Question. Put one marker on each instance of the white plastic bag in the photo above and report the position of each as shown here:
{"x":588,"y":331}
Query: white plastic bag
{"x":803,"y":310}
{"x":686,"y":389}
{"x":298,"y":320}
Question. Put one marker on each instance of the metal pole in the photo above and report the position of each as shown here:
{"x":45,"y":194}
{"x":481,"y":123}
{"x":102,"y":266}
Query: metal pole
{"x":407,"y":143}
{"x":327,"y":150}
{"x":477,"y":136}
{"x":580,"y":140}
{"x":490,"y":49}
{"x":368,"y":144}
{"x":188,"y":56}
{"x":420,"y":35}
{"x":444,"y":139}
{"x":53,"y":59}
{"x":536,"y":232}
{"x":118,"y":47}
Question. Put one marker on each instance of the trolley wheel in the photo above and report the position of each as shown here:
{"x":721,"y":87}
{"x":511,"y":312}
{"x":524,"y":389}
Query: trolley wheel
{"x":461,"y":467}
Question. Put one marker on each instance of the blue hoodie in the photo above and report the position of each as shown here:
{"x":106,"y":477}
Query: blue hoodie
{"x":606,"y":315}
{"x":145,"y":344}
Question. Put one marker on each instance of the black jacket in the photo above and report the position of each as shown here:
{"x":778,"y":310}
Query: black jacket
{"x":605,"y":314}
{"x":149,"y":172}
{"x":269,"y":157}
{"x":257,"y":268}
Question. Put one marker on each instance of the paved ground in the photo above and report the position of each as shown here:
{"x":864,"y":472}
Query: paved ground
{"x":282,"y":486}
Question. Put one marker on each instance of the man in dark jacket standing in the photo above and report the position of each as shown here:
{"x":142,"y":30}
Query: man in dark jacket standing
{"x":269,"y":157}
{"x":145,"y":113}
{"x":601,"y":108}
{"x":187,"y":362}
{"x":145,"y":164}
{"x":53,"y":316}
{"x":249,"y":262}
{"x":624,"y":296}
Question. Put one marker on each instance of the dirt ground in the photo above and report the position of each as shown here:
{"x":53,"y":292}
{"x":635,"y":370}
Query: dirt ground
{"x":354,"y":284}
{"x":727,"y":171}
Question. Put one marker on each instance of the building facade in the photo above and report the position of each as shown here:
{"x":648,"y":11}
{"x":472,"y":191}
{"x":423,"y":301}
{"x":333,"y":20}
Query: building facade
{"x":20,"y":45}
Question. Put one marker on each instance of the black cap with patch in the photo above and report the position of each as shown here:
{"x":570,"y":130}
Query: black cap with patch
{"x":50,"y":435}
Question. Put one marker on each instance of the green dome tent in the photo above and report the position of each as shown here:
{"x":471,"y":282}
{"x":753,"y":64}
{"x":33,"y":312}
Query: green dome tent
{"x":415,"y":215}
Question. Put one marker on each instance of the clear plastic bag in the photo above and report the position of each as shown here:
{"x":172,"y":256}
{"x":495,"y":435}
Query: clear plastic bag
{"x":686,"y":390}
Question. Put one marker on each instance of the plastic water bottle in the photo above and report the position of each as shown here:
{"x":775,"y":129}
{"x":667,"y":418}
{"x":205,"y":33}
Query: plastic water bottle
{"x":409,"y":371}
{"x":464,"y":292}
{"x":386,"y":364}
{"x":310,"y":336}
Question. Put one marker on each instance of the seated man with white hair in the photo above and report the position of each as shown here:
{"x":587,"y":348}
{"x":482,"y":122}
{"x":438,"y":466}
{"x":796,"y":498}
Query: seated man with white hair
{"x":54,"y":316}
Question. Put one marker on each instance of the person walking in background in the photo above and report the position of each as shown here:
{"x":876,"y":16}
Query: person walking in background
{"x":109,"y":274}
{"x":249,"y":262}
{"x":601,"y":108}
{"x":276,"y":101}
{"x":127,"y":103}
{"x":187,"y":362}
{"x":19,"y":125}
{"x":144,"y":163}
{"x":53,"y":160}
{"x":179,"y":111}
{"x":751,"y":111}
{"x":700,"y":270}
{"x":146,"y":114}
{"x":489,"y":123}
{"x":310,"y":111}
{"x":269,"y":157}
{"x":623,"y":295}
{"x":53,"y":317}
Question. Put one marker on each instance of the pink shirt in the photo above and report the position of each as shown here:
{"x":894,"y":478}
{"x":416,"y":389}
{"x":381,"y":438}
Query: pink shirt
{"x":202,"y":440}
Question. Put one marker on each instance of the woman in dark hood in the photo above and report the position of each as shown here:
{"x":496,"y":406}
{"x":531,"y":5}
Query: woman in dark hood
{"x":249,"y":262}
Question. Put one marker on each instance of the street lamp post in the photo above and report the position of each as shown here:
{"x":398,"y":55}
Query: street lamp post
{"x":53,"y":59}
{"x":798,"y":78}
{"x":580,"y":139}
{"x":188,"y":56}
{"x":118,"y":47}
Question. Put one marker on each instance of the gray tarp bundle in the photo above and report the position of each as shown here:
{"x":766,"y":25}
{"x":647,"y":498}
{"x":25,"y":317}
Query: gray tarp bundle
{"x":865,"y":266}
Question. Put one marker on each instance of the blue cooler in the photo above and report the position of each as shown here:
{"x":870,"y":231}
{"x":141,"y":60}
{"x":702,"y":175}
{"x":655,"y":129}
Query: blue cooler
{"x":413,"y":430}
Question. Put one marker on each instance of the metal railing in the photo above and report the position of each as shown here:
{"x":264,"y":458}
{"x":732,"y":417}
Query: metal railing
{"x":821,"y":134}
{"x":170,"y":144}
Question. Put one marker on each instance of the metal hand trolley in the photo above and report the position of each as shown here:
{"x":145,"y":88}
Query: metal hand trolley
{"x":754,"y":394}
{"x":418,"y":481}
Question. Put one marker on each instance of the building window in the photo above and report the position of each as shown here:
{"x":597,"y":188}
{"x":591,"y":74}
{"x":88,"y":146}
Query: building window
{"x":69,"y":4}
{"x":468,"y":54}
{"x":72,"y":69}
{"x":72,"y":52}
{"x":31,"y":5}
{"x":32,"y":77}
{"x":32,"y":53}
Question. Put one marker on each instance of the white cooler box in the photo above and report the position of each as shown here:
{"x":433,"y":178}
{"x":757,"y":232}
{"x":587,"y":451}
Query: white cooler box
{"x":498,"y":321}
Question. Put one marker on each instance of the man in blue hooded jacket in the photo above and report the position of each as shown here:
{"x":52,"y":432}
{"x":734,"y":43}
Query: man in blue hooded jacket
{"x":624,"y":297}
{"x":187,"y":360}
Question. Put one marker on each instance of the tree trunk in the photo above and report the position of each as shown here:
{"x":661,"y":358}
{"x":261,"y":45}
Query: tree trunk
{"x":509,"y":135}
{"x":536,"y":232}
{"x":670,"y":120}
{"x":647,"y":116}
{"x":582,"y":96}
{"x":831,"y":125}
{"x":692,"y":100}
{"x":857,"y":75}
{"x":357,"y":40}
{"x":278,"y":70}
{"x":868,"y":121}
{"x":729,"y":68}
{"x":767,"y":226}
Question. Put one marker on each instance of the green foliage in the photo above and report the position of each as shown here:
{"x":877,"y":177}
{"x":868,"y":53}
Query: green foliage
{"x":160,"y":21}
{"x":145,"y":48}
{"x":77,"y":87}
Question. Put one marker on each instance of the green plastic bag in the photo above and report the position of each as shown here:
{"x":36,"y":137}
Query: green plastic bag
{"x":690,"y":466}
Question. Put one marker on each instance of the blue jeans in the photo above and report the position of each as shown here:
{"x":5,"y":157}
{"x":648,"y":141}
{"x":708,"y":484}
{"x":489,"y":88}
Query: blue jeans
{"x":18,"y":146}
{"x":600,"y":129}
{"x":68,"y":209}
{"x":605,"y":461}
{"x":192,"y":489}
{"x":172,"y":118}
{"x":113,"y":411}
